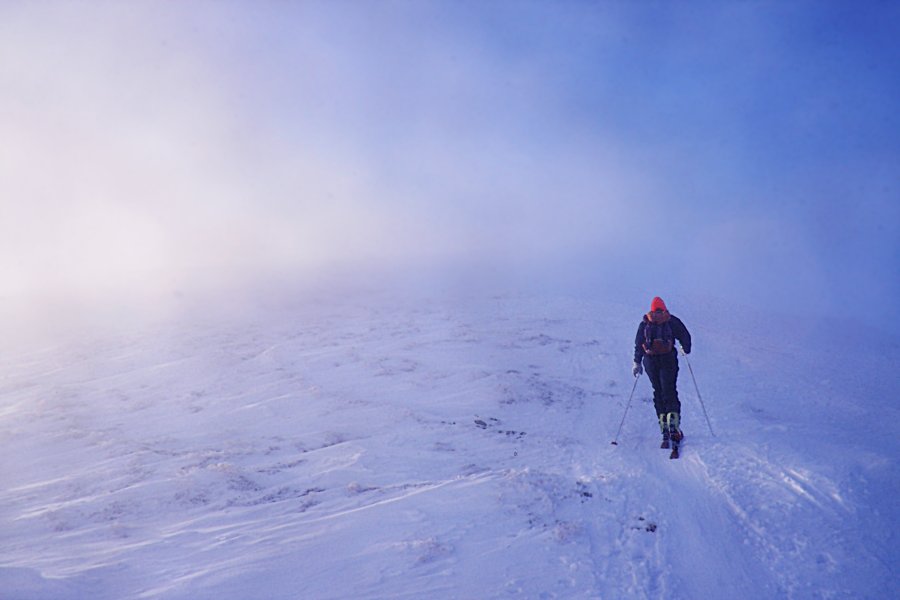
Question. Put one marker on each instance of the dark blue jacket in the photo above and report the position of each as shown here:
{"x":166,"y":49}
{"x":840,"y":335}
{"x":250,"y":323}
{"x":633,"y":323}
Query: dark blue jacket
{"x":678,"y":330}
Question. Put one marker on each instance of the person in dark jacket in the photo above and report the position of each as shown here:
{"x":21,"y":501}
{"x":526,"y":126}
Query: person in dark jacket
{"x":654,"y":351}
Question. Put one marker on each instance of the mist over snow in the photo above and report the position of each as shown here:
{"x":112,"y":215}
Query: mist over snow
{"x":336,"y":299}
{"x":746,"y":151}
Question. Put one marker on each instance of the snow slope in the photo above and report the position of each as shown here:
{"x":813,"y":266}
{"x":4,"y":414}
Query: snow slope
{"x":389,"y":444}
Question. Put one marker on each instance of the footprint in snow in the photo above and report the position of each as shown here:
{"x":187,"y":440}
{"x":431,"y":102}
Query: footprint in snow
{"x":645,"y":525}
{"x":482,"y":424}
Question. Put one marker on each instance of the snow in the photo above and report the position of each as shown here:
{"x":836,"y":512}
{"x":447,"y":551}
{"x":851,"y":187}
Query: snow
{"x":431,"y":443}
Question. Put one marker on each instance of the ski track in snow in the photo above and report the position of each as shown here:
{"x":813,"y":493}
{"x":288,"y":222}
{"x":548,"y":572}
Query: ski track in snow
{"x":390,"y":449}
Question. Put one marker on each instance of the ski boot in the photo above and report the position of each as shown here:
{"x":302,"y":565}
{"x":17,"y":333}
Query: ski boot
{"x":675,"y":434}
{"x":665,"y":432}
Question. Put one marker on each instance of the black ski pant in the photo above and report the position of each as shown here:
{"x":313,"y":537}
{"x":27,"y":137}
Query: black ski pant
{"x":662,"y":370}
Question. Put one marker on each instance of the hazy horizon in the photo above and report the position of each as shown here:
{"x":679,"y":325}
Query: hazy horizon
{"x":738,"y":150}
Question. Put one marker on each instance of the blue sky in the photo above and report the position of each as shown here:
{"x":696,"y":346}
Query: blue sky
{"x":744,"y":150}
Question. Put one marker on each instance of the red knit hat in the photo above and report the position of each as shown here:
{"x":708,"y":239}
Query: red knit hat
{"x":658,"y":304}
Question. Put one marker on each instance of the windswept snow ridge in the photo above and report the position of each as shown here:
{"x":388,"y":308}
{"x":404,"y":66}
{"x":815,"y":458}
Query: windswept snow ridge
{"x":383,"y":445}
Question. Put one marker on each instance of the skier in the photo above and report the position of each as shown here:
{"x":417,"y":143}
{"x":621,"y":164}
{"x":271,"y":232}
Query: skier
{"x":654,"y":350}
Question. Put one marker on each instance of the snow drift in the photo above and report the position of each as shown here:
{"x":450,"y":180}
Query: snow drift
{"x":428,"y":444}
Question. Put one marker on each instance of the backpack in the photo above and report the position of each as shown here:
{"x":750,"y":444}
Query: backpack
{"x":658,"y":335}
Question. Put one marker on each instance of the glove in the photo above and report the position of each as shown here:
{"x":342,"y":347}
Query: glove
{"x":637,"y":369}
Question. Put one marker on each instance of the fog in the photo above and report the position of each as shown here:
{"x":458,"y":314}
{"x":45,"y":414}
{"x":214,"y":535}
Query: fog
{"x":743,"y":151}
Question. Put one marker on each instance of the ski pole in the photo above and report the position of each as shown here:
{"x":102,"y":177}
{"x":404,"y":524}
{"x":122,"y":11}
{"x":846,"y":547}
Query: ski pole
{"x":699,"y":397}
{"x":627,"y":406}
